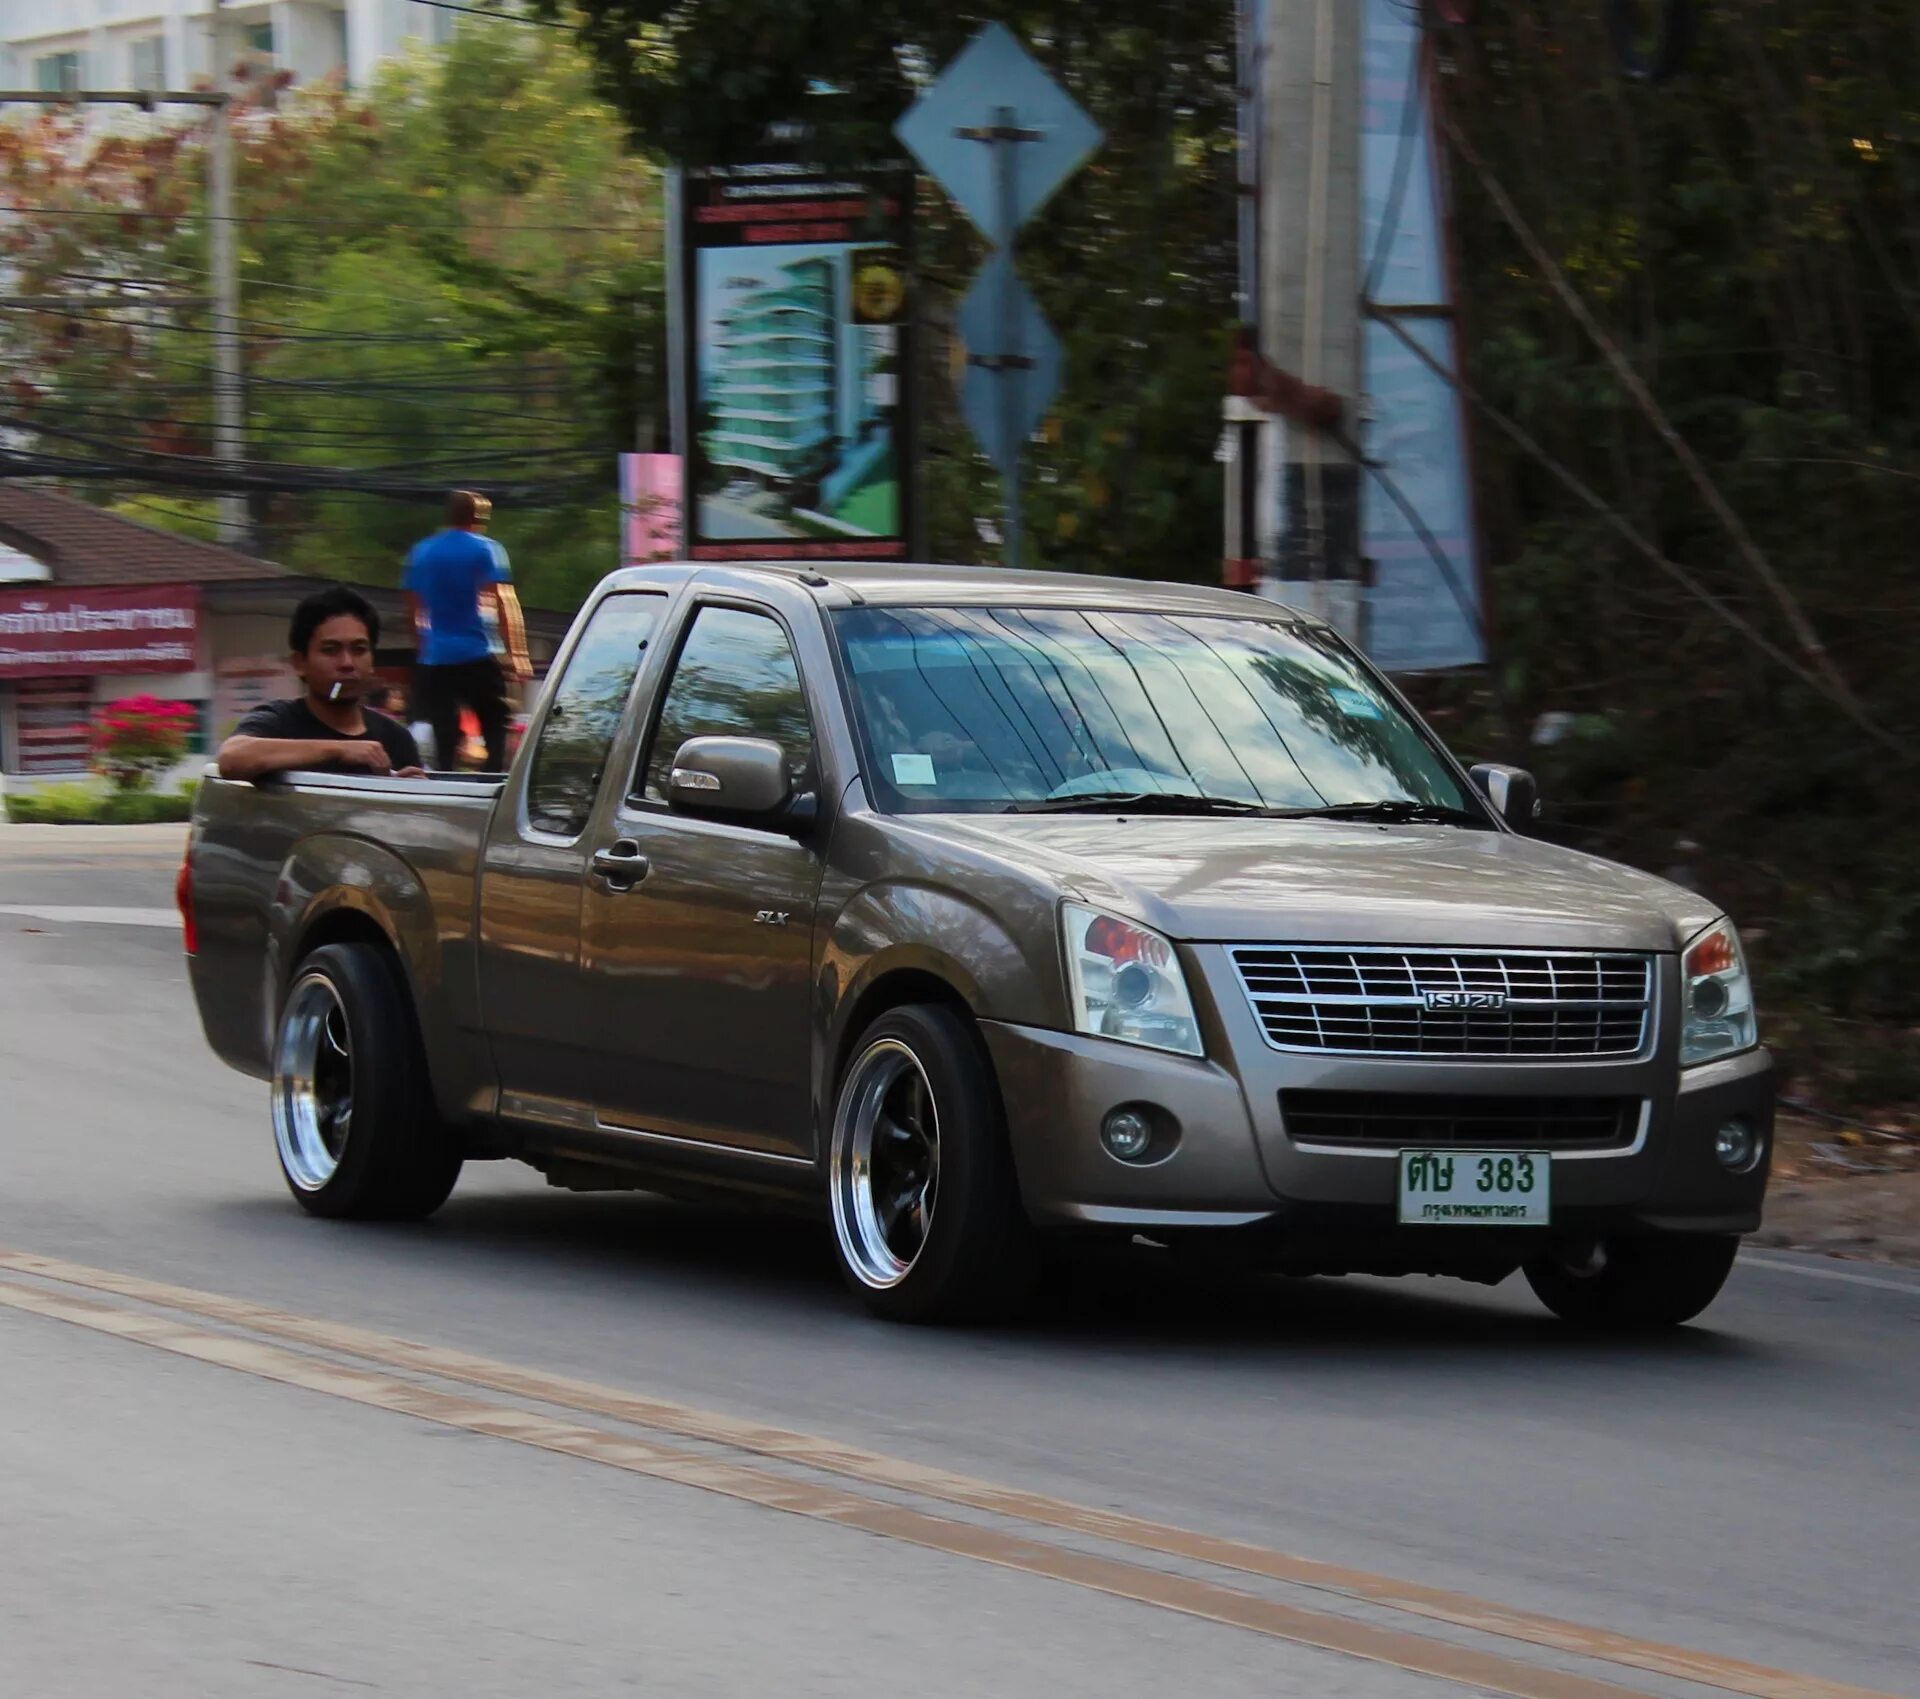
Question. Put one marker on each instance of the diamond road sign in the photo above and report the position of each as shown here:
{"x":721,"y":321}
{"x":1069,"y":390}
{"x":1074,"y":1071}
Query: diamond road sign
{"x":1000,"y":136}
{"x":996,"y":81}
{"x":1021,"y":358}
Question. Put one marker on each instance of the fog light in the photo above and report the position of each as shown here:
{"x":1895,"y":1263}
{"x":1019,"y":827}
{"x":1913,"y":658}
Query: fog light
{"x":1127,"y":1134}
{"x":1736,"y":1147}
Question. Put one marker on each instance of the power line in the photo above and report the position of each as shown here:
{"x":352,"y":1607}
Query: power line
{"x":268,"y":330}
{"x":224,"y":478}
{"x":399,"y":221}
{"x":498,"y":17}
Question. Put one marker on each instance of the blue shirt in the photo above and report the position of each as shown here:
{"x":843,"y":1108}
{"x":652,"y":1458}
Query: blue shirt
{"x":448,"y":572}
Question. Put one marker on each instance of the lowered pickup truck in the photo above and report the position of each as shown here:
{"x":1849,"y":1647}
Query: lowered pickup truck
{"x":978,"y":910}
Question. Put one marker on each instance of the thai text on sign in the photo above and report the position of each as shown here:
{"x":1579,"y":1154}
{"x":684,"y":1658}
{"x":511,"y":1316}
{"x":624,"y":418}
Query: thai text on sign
{"x":52,"y":633}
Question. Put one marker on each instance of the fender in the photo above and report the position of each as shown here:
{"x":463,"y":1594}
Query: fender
{"x":906,"y":930}
{"x":336,"y":884}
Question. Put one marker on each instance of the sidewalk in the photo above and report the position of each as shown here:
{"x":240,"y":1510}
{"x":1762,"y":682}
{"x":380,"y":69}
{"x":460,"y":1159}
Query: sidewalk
{"x":169,"y":839}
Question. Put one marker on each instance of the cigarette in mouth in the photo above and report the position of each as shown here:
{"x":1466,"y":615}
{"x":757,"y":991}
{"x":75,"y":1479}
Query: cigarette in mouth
{"x":333,"y":695}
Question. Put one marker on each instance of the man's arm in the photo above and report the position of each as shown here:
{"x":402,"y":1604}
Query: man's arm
{"x":244,"y":757}
{"x":513,"y":630}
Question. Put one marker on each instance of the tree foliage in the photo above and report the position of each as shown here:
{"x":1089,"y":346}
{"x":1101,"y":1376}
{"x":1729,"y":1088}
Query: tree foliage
{"x":1749,"y":236}
{"x":452,"y":278}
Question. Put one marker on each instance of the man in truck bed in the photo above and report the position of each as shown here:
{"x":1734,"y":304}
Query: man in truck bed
{"x":329,"y":729}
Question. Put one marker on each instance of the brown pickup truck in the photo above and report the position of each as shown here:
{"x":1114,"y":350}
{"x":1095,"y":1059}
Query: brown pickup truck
{"x":979,"y":911}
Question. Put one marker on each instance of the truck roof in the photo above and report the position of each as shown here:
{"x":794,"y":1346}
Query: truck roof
{"x":896,"y":584}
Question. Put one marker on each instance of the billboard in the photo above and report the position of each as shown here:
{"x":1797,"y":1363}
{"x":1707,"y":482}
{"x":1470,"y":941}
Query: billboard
{"x":56,"y":633}
{"x":796,"y":332}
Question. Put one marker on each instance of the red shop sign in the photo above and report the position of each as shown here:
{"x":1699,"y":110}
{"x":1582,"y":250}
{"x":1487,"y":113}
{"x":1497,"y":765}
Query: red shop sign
{"x":52,"y":633}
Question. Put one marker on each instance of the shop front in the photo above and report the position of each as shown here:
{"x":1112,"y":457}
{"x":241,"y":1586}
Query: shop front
{"x":66,"y":653}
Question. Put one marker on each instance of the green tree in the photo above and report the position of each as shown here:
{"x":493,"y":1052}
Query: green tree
{"x":452,"y":278}
{"x":1748,"y":237}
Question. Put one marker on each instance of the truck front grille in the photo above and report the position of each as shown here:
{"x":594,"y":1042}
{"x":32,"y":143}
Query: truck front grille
{"x":1512,"y":1003}
{"x":1410,"y":1120}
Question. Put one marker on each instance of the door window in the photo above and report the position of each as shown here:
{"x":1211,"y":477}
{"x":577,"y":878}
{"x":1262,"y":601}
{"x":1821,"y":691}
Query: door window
{"x":736,"y":677}
{"x":585,"y":713}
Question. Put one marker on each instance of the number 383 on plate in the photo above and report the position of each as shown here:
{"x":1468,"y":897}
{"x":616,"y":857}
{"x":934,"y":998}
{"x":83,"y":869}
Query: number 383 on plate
{"x":1487,"y":1188}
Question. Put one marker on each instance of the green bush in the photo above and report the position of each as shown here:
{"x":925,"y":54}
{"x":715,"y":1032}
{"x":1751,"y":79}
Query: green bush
{"x":84,"y":804}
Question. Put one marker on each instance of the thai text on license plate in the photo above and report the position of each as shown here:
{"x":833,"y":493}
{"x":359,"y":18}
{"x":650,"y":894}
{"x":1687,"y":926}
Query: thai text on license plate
{"x":1479,"y":1188}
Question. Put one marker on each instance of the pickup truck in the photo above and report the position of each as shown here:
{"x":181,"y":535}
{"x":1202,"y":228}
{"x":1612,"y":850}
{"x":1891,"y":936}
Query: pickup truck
{"x":980,"y":910}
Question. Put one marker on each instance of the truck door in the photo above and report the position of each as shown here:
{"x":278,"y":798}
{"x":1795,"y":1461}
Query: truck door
{"x":537,"y":1008}
{"x":700,"y":953}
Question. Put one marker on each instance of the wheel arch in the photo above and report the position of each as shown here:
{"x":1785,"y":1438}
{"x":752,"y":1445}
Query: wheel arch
{"x":892,"y":981}
{"x":344,"y":923}
{"x":337,"y":889}
{"x":892,"y":989}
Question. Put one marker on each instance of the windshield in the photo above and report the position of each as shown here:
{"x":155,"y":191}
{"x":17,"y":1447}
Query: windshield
{"x":988,"y":709}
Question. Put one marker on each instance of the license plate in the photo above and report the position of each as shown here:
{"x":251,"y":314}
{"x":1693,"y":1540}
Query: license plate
{"x":1477,"y":1188}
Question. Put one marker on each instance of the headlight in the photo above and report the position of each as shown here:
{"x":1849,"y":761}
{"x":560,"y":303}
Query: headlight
{"x":1716,"y":998}
{"x":1127,"y":983}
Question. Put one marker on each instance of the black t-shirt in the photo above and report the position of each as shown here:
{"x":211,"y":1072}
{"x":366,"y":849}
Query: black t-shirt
{"x":294,"y":719}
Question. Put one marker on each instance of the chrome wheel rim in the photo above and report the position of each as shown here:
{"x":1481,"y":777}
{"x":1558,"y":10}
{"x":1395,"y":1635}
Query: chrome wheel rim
{"x":885,"y":1164}
{"x":313,"y":1083}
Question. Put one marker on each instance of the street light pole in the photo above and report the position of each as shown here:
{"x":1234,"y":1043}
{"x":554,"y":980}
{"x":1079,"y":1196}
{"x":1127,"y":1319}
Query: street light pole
{"x":1306,"y":62}
{"x":1005,"y":165}
{"x":229,"y":408}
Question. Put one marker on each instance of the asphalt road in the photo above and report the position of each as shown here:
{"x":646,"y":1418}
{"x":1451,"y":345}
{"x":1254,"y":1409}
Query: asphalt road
{"x":199,"y":1501}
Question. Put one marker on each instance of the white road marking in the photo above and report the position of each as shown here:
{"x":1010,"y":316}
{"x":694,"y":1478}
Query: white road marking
{"x":86,"y":914}
{"x":1778,"y":1265}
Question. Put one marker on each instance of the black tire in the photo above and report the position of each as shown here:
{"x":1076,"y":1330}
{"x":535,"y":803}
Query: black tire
{"x":1636,"y":1285}
{"x":390,"y":1157}
{"x":975,"y":1253}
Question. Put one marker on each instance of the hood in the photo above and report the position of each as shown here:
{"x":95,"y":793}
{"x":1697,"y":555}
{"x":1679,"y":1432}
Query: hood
{"x":1323,"y":881}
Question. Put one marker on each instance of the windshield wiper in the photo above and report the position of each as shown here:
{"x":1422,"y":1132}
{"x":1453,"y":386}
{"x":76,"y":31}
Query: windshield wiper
{"x":1389,"y":813}
{"x":1138,"y":802}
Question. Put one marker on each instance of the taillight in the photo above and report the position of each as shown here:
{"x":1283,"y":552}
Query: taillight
{"x":183,"y":895}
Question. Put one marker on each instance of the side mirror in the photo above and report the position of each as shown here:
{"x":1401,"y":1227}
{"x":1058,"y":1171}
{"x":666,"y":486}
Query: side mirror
{"x":1512,"y":791}
{"x":741,"y":776}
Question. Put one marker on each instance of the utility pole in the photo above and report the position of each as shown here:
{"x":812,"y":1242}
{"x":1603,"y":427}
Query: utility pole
{"x":1310,"y":321}
{"x":1007,"y":134}
{"x":229,"y":402}
{"x":1293,"y":487}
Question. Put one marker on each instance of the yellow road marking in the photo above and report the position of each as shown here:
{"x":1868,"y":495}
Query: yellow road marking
{"x":1411,"y":1652}
{"x":1463,"y":1610}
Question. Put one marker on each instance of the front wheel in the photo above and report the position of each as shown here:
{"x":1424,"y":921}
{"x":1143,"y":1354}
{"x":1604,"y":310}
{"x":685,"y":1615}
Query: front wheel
{"x":353,"y":1118}
{"x":927,"y":1218}
{"x":1634,"y":1284}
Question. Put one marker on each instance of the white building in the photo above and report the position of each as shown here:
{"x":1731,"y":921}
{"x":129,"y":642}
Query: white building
{"x":56,"y":45}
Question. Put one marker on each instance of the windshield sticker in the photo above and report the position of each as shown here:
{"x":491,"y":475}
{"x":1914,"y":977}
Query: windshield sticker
{"x":913,"y":770}
{"x":1357,"y":703}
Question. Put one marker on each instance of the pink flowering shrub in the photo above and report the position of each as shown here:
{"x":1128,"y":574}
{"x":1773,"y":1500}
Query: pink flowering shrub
{"x":139,"y":737}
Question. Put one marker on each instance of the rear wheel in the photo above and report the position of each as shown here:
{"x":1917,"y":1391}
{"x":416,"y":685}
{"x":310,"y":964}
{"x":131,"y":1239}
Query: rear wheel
{"x":927,"y":1217}
{"x":1634,"y":1284}
{"x":353,"y":1120}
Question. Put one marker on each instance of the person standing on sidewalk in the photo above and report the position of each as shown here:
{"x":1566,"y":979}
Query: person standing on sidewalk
{"x":451,"y":577}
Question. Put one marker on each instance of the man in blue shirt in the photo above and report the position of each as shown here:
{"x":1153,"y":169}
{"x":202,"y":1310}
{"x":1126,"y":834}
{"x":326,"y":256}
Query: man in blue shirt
{"x":453,"y":579}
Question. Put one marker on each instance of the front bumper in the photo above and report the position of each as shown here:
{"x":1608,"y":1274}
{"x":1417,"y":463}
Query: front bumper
{"x":1235,"y":1165}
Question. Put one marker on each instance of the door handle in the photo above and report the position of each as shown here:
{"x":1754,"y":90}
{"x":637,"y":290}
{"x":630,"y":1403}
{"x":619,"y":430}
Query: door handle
{"x":621,"y":865}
